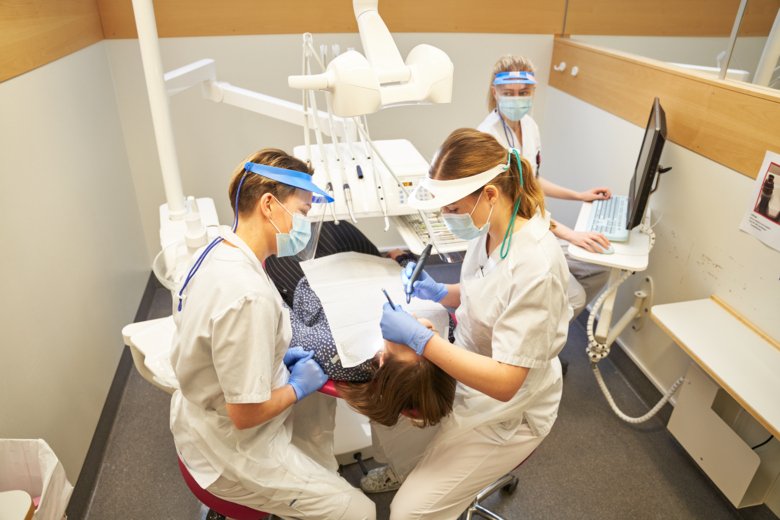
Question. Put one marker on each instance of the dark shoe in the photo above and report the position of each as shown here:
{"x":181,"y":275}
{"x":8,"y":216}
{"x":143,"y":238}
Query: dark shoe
{"x":213,"y":515}
{"x":380,"y":480}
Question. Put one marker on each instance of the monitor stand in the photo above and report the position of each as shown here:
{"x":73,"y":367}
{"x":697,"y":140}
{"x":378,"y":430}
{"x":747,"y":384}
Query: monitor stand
{"x":628,"y":258}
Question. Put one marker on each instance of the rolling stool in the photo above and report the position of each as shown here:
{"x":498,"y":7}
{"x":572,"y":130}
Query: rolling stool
{"x":218,"y":505}
{"x":229,"y":509}
{"x":507,"y":484}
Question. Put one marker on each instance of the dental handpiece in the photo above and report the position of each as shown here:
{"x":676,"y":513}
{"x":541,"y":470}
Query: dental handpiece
{"x":329,"y":189}
{"x":348,"y":198}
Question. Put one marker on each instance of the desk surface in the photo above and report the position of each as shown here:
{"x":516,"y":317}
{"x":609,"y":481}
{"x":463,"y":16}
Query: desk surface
{"x":631,"y":255}
{"x":743,"y":363}
{"x":15,"y":505}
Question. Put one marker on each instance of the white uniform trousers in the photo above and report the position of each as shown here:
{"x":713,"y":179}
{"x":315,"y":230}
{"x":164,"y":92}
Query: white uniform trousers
{"x":335,"y":499}
{"x":453,"y":470}
{"x":348,"y":503}
{"x":400,"y":446}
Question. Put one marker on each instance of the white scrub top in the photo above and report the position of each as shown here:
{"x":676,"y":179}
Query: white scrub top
{"x":530,"y":148}
{"x":232,"y":334}
{"x":515,"y":311}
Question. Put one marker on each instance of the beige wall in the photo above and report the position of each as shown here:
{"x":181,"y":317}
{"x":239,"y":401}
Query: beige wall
{"x":74,"y":261}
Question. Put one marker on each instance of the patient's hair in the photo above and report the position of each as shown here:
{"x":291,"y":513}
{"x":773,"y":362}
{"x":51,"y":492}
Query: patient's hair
{"x":420,"y":389}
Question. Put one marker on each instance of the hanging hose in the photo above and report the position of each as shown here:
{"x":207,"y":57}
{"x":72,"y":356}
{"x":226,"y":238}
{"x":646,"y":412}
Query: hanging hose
{"x":310,"y":53}
{"x":361,"y":123}
{"x":598,"y":351}
{"x":432,"y":236}
{"x":633,"y":420}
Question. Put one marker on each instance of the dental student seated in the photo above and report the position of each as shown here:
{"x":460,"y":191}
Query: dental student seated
{"x":242,"y":422}
{"x":512,"y":313}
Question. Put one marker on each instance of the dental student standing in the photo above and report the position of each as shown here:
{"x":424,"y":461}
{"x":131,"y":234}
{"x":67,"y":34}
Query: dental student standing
{"x":512,"y":314}
{"x":240,"y":422}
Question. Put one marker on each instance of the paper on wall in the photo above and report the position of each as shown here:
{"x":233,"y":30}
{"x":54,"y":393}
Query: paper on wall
{"x":762,"y":219}
{"x":349,"y":285}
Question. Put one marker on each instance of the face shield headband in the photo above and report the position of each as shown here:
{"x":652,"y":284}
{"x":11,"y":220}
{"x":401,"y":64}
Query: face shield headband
{"x":514,"y":77}
{"x":432,"y":194}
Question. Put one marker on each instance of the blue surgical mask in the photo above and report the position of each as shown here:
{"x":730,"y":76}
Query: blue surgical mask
{"x":514,"y":107}
{"x":462,"y":225}
{"x":292,"y":243}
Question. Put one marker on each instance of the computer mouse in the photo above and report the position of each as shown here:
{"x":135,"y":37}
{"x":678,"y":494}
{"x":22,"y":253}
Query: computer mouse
{"x":609,"y":250}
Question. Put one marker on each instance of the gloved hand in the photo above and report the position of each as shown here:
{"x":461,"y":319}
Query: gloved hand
{"x":425,"y":287}
{"x":401,"y":327}
{"x":306,"y":376}
{"x":295,"y":354}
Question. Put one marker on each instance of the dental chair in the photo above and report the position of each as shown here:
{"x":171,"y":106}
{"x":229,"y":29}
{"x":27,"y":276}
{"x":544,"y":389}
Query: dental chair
{"x":150,"y":345}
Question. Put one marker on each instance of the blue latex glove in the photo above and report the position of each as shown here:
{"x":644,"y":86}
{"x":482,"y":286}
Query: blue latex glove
{"x":295,"y":354}
{"x":401,"y":327}
{"x":425,"y":287}
{"x":306,"y":377}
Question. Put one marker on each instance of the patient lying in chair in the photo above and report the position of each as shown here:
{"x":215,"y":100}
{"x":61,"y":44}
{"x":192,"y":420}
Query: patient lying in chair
{"x":396,"y":381}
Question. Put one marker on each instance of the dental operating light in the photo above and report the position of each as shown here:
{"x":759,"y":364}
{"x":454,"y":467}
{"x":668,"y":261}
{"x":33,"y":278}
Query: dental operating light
{"x":362,"y":85}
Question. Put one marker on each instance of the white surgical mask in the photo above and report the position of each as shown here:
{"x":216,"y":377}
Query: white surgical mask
{"x":462,"y":225}
{"x":293,"y":242}
{"x":514,"y":107}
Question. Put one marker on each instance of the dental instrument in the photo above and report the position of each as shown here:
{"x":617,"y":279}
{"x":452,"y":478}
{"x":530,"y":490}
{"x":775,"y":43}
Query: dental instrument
{"x":418,"y":269}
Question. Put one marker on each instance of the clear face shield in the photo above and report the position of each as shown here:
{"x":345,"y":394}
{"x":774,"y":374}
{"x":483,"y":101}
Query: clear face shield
{"x":301,"y":181}
{"x":316,"y":217}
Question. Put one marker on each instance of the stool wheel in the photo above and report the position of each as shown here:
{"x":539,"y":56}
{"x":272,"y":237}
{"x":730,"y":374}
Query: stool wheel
{"x":213,"y":515}
{"x":510,"y":488}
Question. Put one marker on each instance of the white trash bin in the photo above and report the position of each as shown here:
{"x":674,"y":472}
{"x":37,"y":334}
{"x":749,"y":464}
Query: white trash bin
{"x":30,"y":465}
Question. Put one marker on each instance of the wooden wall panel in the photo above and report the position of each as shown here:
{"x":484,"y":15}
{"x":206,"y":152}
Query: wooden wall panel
{"x":227,"y":17}
{"x":36,"y":32}
{"x":668,"y":17}
{"x":729,"y":122}
{"x":608,"y":17}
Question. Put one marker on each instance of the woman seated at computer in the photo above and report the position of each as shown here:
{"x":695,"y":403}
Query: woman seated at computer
{"x":510,"y":98}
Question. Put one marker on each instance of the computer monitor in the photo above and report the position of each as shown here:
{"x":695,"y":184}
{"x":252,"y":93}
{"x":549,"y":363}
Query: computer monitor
{"x":646,"y":165}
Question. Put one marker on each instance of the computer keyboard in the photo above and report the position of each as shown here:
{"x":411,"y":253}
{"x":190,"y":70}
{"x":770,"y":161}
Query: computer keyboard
{"x":609,"y":218}
{"x":413,"y":227}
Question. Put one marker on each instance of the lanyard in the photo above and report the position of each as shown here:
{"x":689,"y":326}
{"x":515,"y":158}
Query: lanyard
{"x":508,"y":133}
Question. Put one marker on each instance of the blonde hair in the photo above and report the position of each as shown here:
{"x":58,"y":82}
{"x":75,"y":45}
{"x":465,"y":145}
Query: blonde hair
{"x":255,"y":186}
{"x":467,"y":152}
{"x":507,"y":63}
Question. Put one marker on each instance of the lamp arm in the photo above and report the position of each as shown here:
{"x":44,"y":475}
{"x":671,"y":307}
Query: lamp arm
{"x":378,"y":43}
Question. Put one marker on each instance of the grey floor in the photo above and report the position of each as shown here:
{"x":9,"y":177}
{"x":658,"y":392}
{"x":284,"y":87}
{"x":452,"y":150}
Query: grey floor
{"x":592,"y":465}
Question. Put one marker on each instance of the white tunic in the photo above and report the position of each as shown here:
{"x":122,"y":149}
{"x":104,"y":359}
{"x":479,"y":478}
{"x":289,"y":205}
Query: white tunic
{"x":232,"y":334}
{"x":530,"y":148}
{"x":515,"y":311}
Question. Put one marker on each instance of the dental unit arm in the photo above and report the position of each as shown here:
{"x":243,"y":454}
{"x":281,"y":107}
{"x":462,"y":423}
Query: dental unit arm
{"x":355,"y":85}
{"x":361,"y":85}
